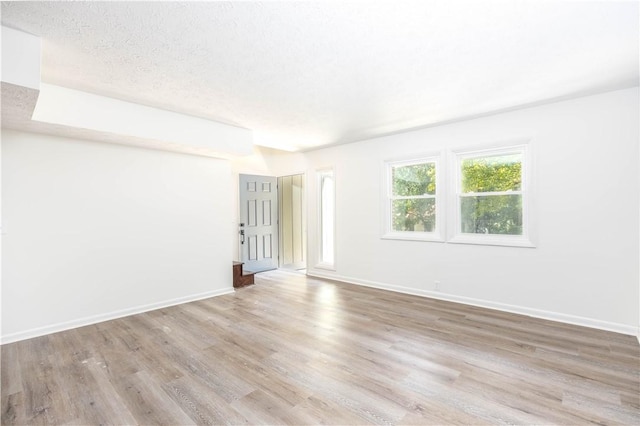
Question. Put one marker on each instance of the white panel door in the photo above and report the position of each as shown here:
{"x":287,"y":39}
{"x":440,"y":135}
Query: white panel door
{"x":259,"y":222}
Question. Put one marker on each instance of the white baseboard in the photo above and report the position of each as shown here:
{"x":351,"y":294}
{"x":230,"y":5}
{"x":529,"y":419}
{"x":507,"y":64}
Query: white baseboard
{"x":536,"y":313}
{"x":54,"y":328}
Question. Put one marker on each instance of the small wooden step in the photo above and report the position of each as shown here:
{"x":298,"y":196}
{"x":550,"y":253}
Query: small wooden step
{"x":241,"y":278}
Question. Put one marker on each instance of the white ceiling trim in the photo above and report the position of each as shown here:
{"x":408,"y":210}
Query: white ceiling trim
{"x":73,"y":108}
{"x":20,"y":58}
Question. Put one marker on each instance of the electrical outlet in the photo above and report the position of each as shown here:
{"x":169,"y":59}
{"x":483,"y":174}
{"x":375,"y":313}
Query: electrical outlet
{"x":436,"y":285}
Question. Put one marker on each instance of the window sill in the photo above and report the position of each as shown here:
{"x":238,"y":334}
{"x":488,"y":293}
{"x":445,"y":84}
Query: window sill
{"x":493,"y":240}
{"x":413,"y":236}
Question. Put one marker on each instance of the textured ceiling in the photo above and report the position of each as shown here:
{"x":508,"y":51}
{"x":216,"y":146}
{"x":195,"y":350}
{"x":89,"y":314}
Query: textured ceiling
{"x":305,"y":74}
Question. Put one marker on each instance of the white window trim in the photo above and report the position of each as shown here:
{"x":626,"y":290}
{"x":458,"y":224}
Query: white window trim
{"x":438,"y":233}
{"x":320,"y":263}
{"x":455,"y":234}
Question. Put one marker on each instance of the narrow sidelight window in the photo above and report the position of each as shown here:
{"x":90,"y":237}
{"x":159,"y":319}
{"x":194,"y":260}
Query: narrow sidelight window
{"x":326,"y":218}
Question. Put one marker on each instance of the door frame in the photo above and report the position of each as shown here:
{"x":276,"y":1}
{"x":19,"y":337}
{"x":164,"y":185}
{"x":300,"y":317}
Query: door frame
{"x":303,"y":224}
{"x":304,"y":212}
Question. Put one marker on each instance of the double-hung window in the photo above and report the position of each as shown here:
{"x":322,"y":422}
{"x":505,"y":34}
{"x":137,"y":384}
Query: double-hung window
{"x":492,"y":199}
{"x":488,"y":194}
{"x":412,"y":209}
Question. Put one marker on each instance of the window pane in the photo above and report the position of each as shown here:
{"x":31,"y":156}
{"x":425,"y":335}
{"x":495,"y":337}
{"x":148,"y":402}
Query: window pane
{"x":416,"y":179}
{"x":492,"y":214}
{"x":418,"y":214}
{"x":492,"y":174}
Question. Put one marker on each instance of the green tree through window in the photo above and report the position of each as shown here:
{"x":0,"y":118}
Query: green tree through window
{"x":413,"y":197}
{"x":491,"y":194}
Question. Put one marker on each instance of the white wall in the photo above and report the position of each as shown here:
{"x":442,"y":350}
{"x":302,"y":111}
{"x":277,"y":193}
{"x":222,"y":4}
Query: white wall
{"x":95,"y":231}
{"x":585,"y":268}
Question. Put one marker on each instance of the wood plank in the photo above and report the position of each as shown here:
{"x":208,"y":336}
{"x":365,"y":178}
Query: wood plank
{"x":149,"y":403}
{"x":300,"y":350}
{"x":203,"y":406}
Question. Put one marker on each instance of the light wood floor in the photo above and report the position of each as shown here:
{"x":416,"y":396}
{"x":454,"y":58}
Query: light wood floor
{"x":296,"y":350}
